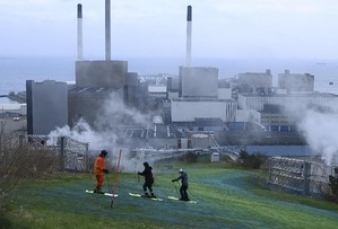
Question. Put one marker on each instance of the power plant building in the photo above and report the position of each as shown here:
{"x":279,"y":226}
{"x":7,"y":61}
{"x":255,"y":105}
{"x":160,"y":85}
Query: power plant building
{"x":187,"y":110}
{"x":47,"y":106}
{"x":255,"y":82}
{"x":294,"y":82}
{"x":291,"y":102}
{"x":198,"y":82}
{"x":109,"y":74}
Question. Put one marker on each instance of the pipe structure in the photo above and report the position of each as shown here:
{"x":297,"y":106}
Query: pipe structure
{"x":188,"y":44}
{"x":79,"y":33}
{"x":107,"y":30}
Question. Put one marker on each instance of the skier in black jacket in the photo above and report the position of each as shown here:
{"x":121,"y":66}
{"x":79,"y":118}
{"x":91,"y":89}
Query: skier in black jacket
{"x":148,"y":180}
{"x":184,"y":184}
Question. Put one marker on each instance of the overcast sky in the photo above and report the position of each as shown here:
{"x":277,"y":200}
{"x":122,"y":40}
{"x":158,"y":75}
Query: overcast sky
{"x":157,"y":28}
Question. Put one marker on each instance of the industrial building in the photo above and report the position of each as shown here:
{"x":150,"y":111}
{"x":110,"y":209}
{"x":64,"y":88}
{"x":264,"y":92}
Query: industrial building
{"x":47,"y":106}
{"x":255,"y":82}
{"x":295,"y":82}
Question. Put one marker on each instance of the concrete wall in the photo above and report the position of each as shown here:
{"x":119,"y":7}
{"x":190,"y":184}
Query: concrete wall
{"x":101,"y":73}
{"x":131,"y":89}
{"x":256,"y":80}
{"x":248,"y":116}
{"x":224,"y":93}
{"x":87,"y":103}
{"x":199,"y":82}
{"x":188,"y":110}
{"x":47,"y":106}
{"x":296,"y":82}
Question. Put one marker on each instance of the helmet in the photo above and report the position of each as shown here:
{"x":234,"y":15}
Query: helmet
{"x":180,"y":170}
{"x":104,"y":153}
{"x":146,"y":164}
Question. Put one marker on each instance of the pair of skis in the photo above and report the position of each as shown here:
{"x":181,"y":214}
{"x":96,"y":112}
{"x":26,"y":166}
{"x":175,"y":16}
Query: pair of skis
{"x":102,"y":193}
{"x":144,"y":196}
{"x":159,"y":199}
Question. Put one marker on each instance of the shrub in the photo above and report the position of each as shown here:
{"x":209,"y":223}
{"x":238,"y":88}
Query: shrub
{"x":333,"y":183}
{"x":252,"y":161}
{"x":20,"y":160}
{"x":189,"y":157}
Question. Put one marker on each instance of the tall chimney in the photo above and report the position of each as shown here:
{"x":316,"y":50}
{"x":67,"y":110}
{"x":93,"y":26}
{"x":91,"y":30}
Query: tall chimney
{"x":188,"y":45}
{"x":107,"y":27}
{"x":79,"y":33}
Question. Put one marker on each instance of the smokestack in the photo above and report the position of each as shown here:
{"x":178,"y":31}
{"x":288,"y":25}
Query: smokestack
{"x":188,"y":45}
{"x":79,"y":33}
{"x":108,"y":42}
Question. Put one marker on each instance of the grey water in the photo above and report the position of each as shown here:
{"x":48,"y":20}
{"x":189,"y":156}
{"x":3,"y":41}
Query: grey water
{"x":14,"y":71}
{"x":281,"y":150}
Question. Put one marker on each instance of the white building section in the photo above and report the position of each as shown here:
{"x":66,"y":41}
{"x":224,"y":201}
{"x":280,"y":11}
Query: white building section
{"x":20,"y":109}
{"x":188,"y":110}
{"x":248,"y":116}
{"x":291,"y":102}
{"x":224,"y":93}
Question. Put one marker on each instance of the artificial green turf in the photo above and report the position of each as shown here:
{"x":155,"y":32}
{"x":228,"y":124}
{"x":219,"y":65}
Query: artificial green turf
{"x":225,"y":199}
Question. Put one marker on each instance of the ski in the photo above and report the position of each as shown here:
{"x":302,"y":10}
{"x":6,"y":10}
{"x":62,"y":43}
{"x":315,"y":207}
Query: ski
{"x":177,"y":199}
{"x":102,"y":193}
{"x":139,"y":195}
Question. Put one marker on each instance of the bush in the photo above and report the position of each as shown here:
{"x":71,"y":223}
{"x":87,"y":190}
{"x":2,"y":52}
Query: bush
{"x":189,"y":157}
{"x":333,"y":183}
{"x":5,"y":223}
{"x":20,"y":160}
{"x":251,"y":161}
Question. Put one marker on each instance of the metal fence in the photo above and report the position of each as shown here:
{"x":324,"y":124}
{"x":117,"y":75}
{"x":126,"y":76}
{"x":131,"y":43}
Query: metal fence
{"x":73,"y":154}
{"x":302,"y":176}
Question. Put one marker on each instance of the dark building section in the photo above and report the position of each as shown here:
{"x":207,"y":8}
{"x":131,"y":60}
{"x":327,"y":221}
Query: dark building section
{"x":131,"y":90}
{"x":47,"y":106}
{"x":110,"y":74}
{"x":95,"y":83}
{"x":87,"y":103}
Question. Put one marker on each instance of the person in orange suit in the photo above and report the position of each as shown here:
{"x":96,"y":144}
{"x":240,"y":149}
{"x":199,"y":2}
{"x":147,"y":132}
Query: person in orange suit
{"x":100,"y":170}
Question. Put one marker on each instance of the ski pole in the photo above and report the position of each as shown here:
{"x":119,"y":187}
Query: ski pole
{"x":190,"y":192}
{"x":116,"y":179}
{"x":175,"y":187}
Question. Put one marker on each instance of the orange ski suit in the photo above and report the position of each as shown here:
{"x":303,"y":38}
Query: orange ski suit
{"x":98,"y":171}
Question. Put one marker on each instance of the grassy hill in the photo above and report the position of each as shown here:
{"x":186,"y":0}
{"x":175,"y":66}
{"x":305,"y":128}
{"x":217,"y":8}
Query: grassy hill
{"x":227,"y":197}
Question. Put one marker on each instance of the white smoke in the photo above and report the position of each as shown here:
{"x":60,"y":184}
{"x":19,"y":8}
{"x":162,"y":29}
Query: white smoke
{"x":319,"y":129}
{"x":106,"y":132}
{"x":114,"y":113}
{"x":84,"y":133}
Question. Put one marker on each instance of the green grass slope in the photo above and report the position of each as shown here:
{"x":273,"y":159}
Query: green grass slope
{"x":225,"y":199}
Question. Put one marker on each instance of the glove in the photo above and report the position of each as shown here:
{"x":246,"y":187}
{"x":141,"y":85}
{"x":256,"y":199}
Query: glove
{"x":105,"y":171}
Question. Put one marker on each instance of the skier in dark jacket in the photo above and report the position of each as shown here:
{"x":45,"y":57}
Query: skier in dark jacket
{"x":184,"y":184}
{"x":148,"y":180}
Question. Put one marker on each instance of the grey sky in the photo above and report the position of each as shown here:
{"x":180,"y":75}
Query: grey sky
{"x":157,"y":28}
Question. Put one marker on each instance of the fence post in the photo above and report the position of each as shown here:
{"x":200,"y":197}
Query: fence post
{"x":62,"y":152}
{"x":87,"y":157}
{"x":307,"y":175}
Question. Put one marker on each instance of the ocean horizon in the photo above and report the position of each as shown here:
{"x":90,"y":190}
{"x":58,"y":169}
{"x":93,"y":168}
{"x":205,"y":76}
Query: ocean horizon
{"x":14,"y":71}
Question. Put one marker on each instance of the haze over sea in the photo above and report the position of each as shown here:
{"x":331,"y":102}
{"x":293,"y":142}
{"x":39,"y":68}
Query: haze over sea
{"x":14,"y":71}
